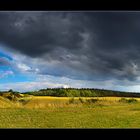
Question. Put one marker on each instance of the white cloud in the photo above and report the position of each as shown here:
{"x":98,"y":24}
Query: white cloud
{"x":34,"y":66}
{"x":48,"y":81}
{"x":30,"y":86}
{"x":23,"y":67}
{"x":6,"y":73}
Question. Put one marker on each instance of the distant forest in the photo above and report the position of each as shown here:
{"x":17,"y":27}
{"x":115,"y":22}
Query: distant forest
{"x":84,"y":92}
{"x":73,"y":92}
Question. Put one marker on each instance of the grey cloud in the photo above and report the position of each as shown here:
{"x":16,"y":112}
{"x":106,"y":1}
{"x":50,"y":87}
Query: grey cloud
{"x":35,"y":34}
{"x":86,"y":45}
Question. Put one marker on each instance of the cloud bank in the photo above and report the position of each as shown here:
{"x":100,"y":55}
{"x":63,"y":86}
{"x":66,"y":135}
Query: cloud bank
{"x":92,"y":46}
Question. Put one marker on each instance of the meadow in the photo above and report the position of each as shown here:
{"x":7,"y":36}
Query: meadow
{"x":70,"y":112}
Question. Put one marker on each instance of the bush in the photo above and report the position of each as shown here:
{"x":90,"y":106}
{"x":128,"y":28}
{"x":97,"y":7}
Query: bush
{"x":9,"y":97}
{"x":24,"y":101}
{"x":81,"y":100}
{"x":92,"y":100}
{"x":132,"y":100}
{"x":71,"y":101}
{"x":12,"y":98}
{"x":124,"y":100}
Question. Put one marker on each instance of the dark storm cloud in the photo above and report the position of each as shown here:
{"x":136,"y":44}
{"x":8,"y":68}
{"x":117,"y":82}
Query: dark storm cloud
{"x":38,"y":33}
{"x":87,"y":45}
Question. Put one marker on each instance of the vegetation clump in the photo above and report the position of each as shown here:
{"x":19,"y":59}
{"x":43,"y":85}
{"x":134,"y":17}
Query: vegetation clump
{"x":125,"y":100}
{"x":71,"y":101}
{"x":83,"y":92}
{"x":81,"y":100}
{"x":92,"y":100}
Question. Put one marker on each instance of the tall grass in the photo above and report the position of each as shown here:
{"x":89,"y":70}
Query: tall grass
{"x":125,"y":100}
{"x":56,"y":102}
{"x":77,"y":112}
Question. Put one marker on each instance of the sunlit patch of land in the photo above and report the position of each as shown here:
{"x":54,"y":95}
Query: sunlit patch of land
{"x":70,"y":112}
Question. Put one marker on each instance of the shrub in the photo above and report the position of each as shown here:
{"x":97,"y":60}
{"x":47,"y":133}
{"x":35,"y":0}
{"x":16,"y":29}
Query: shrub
{"x":12,"y":98}
{"x":124,"y":100}
{"x":81,"y":100}
{"x":71,"y":101}
{"x":92,"y":100}
{"x":9,"y":97}
{"x":132,"y":100}
{"x":23,"y":101}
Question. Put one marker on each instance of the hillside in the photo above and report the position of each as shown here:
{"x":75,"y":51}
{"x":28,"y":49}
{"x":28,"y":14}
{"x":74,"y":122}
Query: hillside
{"x":69,"y":92}
{"x":73,"y":92}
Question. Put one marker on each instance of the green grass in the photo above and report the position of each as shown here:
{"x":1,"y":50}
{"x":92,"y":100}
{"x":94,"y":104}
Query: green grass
{"x":55,"y":112}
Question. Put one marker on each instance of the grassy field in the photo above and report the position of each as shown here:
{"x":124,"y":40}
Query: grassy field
{"x":59,"y":112}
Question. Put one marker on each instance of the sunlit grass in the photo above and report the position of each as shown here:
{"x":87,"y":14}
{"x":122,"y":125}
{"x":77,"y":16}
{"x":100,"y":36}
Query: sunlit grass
{"x":45,"y":101}
{"x":57,"y":112}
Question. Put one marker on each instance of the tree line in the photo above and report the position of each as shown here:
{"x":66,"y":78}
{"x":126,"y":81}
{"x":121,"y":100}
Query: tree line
{"x":83,"y":92}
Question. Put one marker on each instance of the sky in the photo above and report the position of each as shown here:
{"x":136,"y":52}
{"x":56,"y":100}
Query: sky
{"x":41,"y":49}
